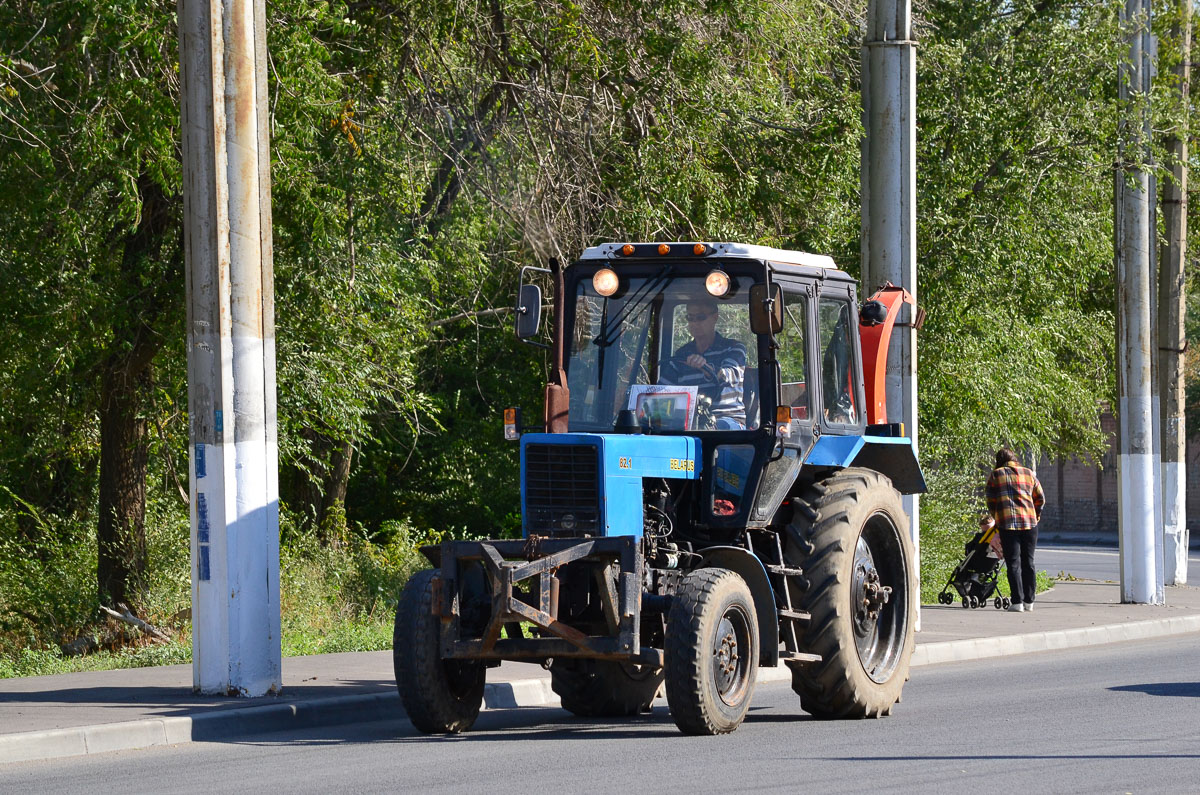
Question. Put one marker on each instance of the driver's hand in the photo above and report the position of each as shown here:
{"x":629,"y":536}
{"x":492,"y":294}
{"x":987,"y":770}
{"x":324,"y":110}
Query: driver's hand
{"x":697,"y":361}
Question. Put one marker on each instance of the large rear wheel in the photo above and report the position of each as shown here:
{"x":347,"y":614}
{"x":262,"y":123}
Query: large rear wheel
{"x":711,"y":652}
{"x":440,"y":696}
{"x":850,"y":535}
{"x":603,"y":688}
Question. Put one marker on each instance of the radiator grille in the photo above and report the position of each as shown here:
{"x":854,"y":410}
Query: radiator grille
{"x":562,"y":489}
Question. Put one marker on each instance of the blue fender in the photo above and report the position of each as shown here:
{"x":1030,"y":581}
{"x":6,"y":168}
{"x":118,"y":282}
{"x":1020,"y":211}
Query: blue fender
{"x":752,"y":571}
{"x":889,"y":455}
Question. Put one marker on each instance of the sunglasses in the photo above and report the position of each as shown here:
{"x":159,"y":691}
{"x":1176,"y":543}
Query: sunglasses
{"x":696,"y":318}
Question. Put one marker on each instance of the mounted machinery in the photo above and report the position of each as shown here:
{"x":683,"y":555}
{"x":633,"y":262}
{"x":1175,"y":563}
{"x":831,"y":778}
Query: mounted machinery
{"x":688,"y":518}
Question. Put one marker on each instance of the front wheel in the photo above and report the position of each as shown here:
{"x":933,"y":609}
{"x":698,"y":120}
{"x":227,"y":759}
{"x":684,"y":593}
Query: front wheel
{"x":851,"y":537}
{"x":440,"y":696}
{"x":711,"y":652}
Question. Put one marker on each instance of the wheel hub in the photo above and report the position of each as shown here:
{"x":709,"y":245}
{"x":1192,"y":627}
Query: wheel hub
{"x":731,"y":655}
{"x":725,"y":656}
{"x":869,"y":595}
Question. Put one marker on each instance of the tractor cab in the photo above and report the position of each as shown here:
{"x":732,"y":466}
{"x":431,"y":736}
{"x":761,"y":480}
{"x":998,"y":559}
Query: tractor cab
{"x":782,"y":378}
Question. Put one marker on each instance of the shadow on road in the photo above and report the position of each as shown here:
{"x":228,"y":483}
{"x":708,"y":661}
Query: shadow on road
{"x":1181,"y":689}
{"x":516,"y":724}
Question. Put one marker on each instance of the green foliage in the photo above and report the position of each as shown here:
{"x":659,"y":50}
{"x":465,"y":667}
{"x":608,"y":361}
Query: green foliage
{"x":47,"y":596}
{"x":49,"y":660}
{"x":421,"y":155}
{"x":1014,"y":173}
{"x":334,"y":598}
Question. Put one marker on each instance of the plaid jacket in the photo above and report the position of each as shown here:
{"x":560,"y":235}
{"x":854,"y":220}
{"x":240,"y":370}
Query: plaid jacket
{"x":1014,"y":497}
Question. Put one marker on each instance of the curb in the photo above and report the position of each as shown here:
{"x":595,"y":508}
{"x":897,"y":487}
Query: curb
{"x":534,"y":692}
{"x":1053,"y":640}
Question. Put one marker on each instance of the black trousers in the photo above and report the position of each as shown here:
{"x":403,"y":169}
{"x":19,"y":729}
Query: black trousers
{"x":1018,"y":546}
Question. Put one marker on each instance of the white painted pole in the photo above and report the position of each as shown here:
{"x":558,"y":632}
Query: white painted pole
{"x":1137,"y":468}
{"x":889,"y":254}
{"x":231,"y":358}
{"x":1171,"y":336}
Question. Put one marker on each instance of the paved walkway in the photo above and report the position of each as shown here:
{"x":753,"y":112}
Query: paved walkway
{"x":73,"y":714}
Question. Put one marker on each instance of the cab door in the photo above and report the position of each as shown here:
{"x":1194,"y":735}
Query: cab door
{"x":796,"y":389}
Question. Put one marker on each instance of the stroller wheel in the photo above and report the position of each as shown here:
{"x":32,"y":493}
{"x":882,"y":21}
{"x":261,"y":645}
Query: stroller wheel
{"x":1007,"y":603}
{"x":965,"y":602}
{"x":974,"y":602}
{"x":945,"y":598}
{"x":997,"y":603}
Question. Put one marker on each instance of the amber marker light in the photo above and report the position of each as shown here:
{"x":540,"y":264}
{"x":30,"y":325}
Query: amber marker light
{"x":717,"y":283}
{"x":627,"y":249}
{"x":783,"y":421}
{"x":512,"y":424}
{"x":663,"y":248}
{"x":699,"y":249}
{"x":605,"y":282}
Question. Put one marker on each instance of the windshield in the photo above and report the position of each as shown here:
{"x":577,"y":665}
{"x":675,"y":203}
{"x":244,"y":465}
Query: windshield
{"x":666,"y":349}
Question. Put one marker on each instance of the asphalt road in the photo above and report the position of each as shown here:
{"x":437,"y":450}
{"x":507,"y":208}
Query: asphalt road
{"x":1118,"y":718}
{"x":1093,"y":563}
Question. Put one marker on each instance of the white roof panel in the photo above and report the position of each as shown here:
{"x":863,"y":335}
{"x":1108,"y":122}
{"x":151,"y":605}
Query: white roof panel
{"x":611,"y":251}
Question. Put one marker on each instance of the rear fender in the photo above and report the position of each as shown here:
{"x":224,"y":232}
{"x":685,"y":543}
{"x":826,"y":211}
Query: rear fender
{"x":889,"y":455}
{"x":751,"y":570}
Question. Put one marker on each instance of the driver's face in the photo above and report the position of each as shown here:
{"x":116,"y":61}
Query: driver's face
{"x":701,"y":319}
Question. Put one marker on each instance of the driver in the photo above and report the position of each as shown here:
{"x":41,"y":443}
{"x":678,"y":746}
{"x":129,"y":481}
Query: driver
{"x":712,"y":362}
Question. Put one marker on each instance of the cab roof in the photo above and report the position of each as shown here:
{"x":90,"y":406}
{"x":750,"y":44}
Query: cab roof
{"x":773,"y":256}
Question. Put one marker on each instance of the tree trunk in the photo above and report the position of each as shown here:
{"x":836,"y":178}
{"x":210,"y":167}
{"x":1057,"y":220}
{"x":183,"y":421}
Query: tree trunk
{"x":121,"y":531}
{"x":121,"y":534}
{"x":333,"y":505}
{"x":320,"y":490}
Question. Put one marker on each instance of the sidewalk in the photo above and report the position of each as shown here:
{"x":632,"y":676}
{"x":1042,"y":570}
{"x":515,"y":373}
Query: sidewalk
{"x":86,"y":713}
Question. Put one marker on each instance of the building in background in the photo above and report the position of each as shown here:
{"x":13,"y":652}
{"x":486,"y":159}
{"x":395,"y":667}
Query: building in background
{"x":1082,"y":497}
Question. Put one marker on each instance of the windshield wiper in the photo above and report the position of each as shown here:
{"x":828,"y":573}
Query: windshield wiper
{"x":608,"y":330}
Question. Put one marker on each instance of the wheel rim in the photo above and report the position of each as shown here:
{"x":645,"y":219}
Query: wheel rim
{"x":731,"y":656}
{"x":879,"y":598}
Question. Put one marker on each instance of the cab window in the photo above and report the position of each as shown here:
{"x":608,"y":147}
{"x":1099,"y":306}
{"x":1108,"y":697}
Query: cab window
{"x":793,"y":356}
{"x":837,"y":364}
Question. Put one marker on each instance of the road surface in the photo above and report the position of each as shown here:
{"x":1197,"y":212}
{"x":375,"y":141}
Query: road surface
{"x":1094,"y":563}
{"x":1117,"y":718}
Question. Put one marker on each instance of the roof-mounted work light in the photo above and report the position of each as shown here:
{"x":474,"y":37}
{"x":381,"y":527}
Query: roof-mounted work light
{"x":717,"y":283}
{"x":605,"y":282}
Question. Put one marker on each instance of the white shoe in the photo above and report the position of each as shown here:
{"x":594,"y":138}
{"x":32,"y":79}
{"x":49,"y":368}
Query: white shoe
{"x":1016,"y":608}
{"x":1028,"y":607}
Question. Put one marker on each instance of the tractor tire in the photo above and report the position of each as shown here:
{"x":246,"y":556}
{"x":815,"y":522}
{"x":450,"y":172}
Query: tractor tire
{"x":711,"y":649}
{"x":440,"y":696}
{"x":603,"y":688}
{"x":850,"y":535}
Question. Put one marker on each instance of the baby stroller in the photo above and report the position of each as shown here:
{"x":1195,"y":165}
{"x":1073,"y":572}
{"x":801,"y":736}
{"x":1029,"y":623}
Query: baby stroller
{"x":976,"y":576}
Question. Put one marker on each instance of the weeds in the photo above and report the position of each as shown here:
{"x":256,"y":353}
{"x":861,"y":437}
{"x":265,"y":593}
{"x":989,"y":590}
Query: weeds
{"x":333,"y":598}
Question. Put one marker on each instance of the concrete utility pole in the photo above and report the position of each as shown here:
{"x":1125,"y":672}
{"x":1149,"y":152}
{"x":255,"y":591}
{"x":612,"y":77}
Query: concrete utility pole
{"x":1172,"y":300}
{"x":889,"y":190}
{"x":1137,"y":465}
{"x":231,"y":348}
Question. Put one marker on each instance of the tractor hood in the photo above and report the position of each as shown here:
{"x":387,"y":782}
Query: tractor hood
{"x":590,"y":484}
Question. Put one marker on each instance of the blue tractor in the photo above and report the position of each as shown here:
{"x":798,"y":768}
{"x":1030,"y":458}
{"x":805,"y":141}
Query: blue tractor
{"x":714,"y":488}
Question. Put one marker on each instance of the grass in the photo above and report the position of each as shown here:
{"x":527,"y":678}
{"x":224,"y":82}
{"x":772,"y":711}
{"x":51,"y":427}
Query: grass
{"x":338,"y":597}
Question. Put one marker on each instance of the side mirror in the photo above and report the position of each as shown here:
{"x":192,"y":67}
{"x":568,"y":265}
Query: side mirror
{"x":766,"y":312}
{"x":872,"y":314}
{"x":529,"y":311}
